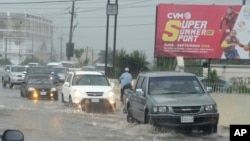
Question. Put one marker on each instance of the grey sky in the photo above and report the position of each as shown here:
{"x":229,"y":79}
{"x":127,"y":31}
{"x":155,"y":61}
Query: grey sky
{"x":136,"y":21}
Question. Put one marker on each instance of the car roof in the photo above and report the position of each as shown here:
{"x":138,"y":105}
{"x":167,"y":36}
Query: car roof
{"x":16,"y":65}
{"x":88,"y":72}
{"x":38,"y":75}
{"x":165,"y":73}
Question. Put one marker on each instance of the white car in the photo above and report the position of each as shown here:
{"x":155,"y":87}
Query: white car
{"x":88,"y":89}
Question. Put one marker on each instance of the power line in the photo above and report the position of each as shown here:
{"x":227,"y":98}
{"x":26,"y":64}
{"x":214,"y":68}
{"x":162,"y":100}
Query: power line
{"x":39,"y":2}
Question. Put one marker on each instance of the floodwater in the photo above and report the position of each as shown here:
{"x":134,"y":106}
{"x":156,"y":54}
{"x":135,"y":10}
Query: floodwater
{"x":55,"y":121}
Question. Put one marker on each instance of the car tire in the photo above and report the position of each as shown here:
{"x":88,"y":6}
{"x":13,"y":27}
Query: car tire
{"x":147,"y":118}
{"x":3,"y":83}
{"x":11,"y":85}
{"x":62,"y":99}
{"x":210,"y":129}
{"x":21,"y":94}
{"x":70,"y":102}
{"x":130,"y":118}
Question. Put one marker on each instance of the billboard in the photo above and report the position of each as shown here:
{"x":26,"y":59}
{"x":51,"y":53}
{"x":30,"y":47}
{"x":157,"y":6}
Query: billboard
{"x":203,"y":31}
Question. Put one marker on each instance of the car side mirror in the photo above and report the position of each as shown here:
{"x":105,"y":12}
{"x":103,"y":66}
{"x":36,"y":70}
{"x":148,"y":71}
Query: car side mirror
{"x":66,"y":84}
{"x":8,"y":70}
{"x":139,"y":92}
{"x":24,"y":72}
{"x":12,"y":135}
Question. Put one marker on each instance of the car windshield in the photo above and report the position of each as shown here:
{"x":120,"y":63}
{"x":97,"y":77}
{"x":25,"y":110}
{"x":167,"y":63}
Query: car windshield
{"x":40,"y":80}
{"x":59,"y":70}
{"x":175,"y":85}
{"x":97,"y":80}
{"x":33,"y":70}
{"x":18,"y":69}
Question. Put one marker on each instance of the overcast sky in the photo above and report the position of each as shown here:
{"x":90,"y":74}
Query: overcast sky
{"x":136,"y":21}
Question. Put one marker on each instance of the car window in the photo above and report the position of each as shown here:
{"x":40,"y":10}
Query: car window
{"x":175,"y":84}
{"x":40,"y":80}
{"x":139,"y":82}
{"x":144,"y":85}
{"x":97,"y":80}
{"x":32,"y":70}
{"x":17,"y":69}
{"x":69,"y":78}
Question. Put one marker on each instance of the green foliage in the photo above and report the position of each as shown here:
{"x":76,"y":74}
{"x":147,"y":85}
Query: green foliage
{"x":78,"y":53}
{"x":30,"y":59}
{"x":163,"y":64}
{"x":193,"y":66}
{"x":101,"y":58}
{"x":136,"y":61}
{"x":2,"y":61}
{"x":213,"y":77}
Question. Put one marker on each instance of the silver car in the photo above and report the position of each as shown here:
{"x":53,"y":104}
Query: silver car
{"x":13,"y":75}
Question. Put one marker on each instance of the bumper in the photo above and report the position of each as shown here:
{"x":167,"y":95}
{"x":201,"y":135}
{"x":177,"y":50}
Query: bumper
{"x":94,"y":102}
{"x":41,"y":95}
{"x":16,"y":80}
{"x":168,"y":120}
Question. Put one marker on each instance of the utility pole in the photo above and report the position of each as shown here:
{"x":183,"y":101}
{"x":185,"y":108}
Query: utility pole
{"x":243,"y":2}
{"x":112,"y":9}
{"x":61,"y":40}
{"x":114,"y":45}
{"x":107,"y":38}
{"x":70,"y":46}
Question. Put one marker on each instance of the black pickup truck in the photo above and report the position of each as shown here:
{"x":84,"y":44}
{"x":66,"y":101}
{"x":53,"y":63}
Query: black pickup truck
{"x":171,"y":99}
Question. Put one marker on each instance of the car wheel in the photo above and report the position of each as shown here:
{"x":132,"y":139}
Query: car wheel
{"x":62,"y":99}
{"x":11,"y":85}
{"x":21,"y":94}
{"x":3,"y":83}
{"x":130,"y":118}
{"x":85,"y":106}
{"x":70,"y":102}
{"x":210,"y":129}
{"x":147,"y":118}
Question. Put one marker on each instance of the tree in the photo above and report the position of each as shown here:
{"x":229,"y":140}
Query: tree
{"x":3,"y":62}
{"x":164,"y":64}
{"x":78,"y":54}
{"x":136,"y":61}
{"x":30,"y":59}
{"x":101,"y":56}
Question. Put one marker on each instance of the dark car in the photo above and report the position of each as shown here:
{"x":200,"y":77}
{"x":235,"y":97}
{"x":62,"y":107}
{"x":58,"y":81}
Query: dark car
{"x":37,"y":86}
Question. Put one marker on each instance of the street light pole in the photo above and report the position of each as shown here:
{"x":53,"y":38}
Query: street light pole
{"x":114,"y":50}
{"x":71,"y":30}
{"x":107,"y":38}
{"x":112,"y":9}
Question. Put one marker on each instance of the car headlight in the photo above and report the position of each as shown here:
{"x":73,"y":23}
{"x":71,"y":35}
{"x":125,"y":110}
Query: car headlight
{"x":31,"y":89}
{"x":53,"y":89}
{"x":155,"y":109}
{"x":77,"y":93}
{"x":210,"y":108}
{"x":111,"y":94}
{"x":160,"y":109}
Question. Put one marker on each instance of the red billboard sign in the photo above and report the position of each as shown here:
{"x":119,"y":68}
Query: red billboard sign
{"x":199,"y":31}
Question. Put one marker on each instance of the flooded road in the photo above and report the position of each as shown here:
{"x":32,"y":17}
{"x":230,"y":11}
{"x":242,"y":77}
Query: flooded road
{"x":55,"y":121}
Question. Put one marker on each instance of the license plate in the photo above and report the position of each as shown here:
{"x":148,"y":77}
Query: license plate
{"x":187,"y":119}
{"x":94,"y":100}
{"x":43,"y":93}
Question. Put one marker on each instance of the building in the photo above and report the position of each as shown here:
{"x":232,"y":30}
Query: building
{"x":24,"y":35}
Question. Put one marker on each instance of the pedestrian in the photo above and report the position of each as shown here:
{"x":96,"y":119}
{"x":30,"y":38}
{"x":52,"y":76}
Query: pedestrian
{"x":125,"y":80}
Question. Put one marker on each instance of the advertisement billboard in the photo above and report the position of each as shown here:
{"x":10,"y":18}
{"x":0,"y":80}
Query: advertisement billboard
{"x":203,"y":31}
